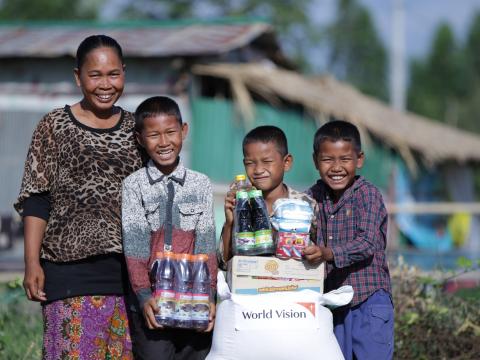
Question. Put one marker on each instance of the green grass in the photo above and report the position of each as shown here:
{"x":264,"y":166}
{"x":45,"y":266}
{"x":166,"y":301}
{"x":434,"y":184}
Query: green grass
{"x":20,"y":324}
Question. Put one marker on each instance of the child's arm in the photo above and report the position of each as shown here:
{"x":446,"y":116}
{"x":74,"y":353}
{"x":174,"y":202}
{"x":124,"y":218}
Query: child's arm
{"x":136,"y":245}
{"x":370,"y":224}
{"x":211,"y":317}
{"x":227,"y":229}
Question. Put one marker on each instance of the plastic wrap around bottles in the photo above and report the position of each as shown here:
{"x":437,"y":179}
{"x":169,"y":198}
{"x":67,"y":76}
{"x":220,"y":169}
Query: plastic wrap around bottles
{"x":292,"y":219}
{"x":181,"y":288}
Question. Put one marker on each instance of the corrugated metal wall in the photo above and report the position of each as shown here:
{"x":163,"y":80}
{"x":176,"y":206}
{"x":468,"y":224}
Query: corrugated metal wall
{"x":16,"y":128}
{"x":218,"y":133}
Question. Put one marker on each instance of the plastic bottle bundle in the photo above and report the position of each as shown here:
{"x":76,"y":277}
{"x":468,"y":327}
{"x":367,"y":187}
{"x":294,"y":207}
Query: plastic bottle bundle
{"x":181,"y":288}
{"x":264,"y":242}
{"x":243,"y":236}
{"x":292,"y":220}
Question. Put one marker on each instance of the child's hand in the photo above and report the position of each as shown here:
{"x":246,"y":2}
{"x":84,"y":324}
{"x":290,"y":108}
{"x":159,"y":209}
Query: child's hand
{"x":229,"y":206}
{"x":211,"y":317}
{"x":150,"y":308}
{"x":316,"y":254}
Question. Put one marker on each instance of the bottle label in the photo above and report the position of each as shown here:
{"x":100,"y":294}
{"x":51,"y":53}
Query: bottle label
{"x":263,"y":238}
{"x":245,"y":240}
{"x":200,"y":307}
{"x":183,"y":306}
{"x":166,"y":302}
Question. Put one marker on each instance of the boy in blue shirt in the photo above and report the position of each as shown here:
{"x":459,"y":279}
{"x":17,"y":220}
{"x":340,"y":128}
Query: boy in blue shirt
{"x":353,"y":226}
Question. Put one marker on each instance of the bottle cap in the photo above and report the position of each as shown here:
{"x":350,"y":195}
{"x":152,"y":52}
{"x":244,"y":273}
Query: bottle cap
{"x":240,"y":177}
{"x":187,"y":257}
{"x":202,"y":257}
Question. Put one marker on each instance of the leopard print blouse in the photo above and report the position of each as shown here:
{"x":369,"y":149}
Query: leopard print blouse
{"x":82,"y":168}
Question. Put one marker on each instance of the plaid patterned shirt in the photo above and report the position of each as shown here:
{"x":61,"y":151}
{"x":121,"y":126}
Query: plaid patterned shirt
{"x":355,"y":228}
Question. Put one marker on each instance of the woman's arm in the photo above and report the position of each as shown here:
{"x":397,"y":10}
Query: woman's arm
{"x":33,"y":282}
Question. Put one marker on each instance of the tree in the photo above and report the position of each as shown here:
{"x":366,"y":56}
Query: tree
{"x":48,"y":9}
{"x":291,"y":18}
{"x":357,"y":55}
{"x":440,"y":85}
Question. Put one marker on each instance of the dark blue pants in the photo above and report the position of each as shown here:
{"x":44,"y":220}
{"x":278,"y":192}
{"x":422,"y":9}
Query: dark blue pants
{"x":365,"y":331}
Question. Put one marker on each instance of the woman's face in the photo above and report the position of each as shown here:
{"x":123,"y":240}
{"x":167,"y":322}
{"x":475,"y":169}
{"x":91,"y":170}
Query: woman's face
{"x":101,"y":78}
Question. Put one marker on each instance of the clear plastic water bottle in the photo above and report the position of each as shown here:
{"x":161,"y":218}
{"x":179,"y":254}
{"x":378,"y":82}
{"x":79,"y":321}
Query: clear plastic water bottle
{"x":183,"y":291}
{"x":201,"y":292}
{"x":242,"y":183}
{"x":163,"y":271}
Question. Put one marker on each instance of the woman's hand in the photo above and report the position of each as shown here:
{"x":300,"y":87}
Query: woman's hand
{"x":34,"y":281}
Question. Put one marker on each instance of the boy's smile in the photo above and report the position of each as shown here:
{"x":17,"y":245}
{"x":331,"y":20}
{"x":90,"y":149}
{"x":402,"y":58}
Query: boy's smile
{"x":265,"y":165}
{"x":337,"y":162}
{"x":162,"y":137}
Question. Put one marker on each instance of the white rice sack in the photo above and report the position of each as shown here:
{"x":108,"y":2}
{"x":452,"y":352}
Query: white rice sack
{"x":290,"y":325}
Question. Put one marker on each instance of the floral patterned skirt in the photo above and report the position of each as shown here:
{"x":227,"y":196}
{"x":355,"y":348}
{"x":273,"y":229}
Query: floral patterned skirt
{"x":86,"y":327}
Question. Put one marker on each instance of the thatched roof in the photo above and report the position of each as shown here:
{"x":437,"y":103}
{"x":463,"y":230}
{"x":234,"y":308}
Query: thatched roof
{"x":407,"y":133}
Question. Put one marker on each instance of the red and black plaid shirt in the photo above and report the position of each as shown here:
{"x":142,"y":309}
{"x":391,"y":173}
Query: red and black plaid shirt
{"x":355,"y":228}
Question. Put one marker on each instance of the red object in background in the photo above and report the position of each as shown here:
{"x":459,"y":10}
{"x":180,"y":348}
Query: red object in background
{"x":454,"y":285}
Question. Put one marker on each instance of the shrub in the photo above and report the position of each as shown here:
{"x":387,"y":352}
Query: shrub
{"x":20,"y":324}
{"x":430,"y":324}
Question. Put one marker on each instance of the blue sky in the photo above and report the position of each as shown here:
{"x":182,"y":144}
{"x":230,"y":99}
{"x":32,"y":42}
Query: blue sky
{"x":422,"y":18}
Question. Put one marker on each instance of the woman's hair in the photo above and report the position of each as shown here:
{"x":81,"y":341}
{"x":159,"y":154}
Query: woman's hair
{"x":94,"y":42}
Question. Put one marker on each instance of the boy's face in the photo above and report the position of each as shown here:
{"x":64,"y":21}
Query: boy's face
{"x":162,"y":137}
{"x":265,"y":165}
{"x":337,"y":162}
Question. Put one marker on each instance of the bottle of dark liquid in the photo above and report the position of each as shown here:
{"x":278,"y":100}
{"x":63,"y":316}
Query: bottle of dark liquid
{"x":200,"y":293}
{"x":264,"y":243}
{"x":183,"y":291}
{"x":163,"y":275}
{"x":244,"y":240}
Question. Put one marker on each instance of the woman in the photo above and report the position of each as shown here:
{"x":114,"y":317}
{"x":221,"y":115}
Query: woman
{"x":70,"y":203}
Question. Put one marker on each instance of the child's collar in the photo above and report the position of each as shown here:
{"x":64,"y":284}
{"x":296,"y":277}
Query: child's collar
{"x":155,"y":175}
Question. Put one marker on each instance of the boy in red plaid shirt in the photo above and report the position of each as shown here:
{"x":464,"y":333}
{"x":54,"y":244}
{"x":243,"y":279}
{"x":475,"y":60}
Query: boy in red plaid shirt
{"x":352,"y":229}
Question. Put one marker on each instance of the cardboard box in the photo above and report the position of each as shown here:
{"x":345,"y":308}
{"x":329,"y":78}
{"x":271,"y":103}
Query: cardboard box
{"x":259,"y":275}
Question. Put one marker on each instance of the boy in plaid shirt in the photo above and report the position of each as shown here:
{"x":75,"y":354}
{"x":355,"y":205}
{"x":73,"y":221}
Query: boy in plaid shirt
{"x":352,"y":223}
